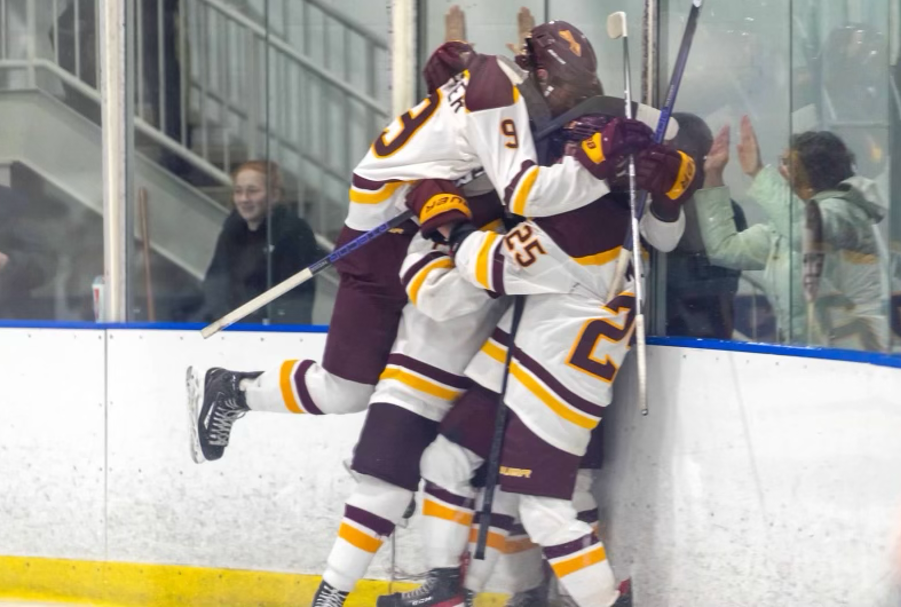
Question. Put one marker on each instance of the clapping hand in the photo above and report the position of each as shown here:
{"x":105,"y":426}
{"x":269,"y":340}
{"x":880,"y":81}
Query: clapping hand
{"x":716,"y":160}
{"x":749,"y":149}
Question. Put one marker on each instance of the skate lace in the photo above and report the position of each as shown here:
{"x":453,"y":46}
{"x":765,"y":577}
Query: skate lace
{"x":423,"y":591}
{"x":329,"y":597}
{"x":223,"y":420}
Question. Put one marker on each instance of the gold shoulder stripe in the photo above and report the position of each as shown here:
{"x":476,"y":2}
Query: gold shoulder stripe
{"x":522,"y":192}
{"x":483,"y":260}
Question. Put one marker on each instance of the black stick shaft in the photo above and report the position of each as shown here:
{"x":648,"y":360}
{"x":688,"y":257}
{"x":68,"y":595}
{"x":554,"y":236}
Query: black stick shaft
{"x":497,"y":441}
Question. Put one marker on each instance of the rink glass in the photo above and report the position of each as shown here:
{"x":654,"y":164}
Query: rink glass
{"x":307,"y":85}
{"x":791,"y":68}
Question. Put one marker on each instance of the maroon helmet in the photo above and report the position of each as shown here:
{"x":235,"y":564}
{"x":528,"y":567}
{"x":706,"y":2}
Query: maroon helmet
{"x":447,"y":61}
{"x":563,"y":60}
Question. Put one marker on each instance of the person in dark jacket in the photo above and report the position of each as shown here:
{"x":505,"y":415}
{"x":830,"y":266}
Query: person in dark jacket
{"x":700,"y":297}
{"x":261,"y":244}
{"x":25,"y":262}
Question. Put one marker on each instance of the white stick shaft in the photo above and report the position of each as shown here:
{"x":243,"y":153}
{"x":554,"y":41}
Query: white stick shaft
{"x":641,"y":361}
{"x":257,"y":302}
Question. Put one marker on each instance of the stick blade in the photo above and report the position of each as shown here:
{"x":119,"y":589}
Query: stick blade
{"x":616,"y":25}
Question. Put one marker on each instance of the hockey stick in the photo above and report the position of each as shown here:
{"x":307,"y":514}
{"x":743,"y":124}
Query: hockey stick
{"x":691,"y":25}
{"x":301,"y":277}
{"x":617,"y":28}
{"x":497,"y":441}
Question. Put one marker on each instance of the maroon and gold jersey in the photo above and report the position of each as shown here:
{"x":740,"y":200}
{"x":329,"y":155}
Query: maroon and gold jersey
{"x":476,"y":120}
{"x":571,"y":340}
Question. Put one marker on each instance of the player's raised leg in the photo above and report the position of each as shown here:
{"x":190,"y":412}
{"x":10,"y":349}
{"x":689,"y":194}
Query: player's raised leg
{"x":364,"y":323}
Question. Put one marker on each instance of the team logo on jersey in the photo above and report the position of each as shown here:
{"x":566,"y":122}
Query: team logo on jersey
{"x":574,"y":46}
{"x":516,"y":472}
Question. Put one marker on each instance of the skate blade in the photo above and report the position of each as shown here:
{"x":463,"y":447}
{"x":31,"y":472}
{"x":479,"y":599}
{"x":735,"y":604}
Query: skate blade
{"x":192,"y":384}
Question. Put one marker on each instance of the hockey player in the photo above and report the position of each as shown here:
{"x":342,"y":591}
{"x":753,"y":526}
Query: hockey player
{"x":569,"y":347}
{"x":422,"y":379}
{"x":477,"y":120}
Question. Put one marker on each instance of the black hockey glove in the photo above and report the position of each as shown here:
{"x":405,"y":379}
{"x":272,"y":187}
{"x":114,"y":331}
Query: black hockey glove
{"x":458,"y":234}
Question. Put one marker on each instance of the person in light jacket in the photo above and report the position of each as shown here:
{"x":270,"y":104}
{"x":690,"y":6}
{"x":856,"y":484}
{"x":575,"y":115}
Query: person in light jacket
{"x":850,"y":309}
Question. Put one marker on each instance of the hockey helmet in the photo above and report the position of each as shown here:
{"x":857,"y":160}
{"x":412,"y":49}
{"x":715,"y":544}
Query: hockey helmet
{"x":563,"y":60}
{"x":447,"y":61}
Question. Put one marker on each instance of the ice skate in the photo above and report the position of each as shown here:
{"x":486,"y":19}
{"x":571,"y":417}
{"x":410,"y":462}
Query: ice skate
{"x":625,"y":594}
{"x":536,"y":597}
{"x":442,"y":588}
{"x":623,"y":600}
{"x":328,"y":596}
{"x":223,"y":403}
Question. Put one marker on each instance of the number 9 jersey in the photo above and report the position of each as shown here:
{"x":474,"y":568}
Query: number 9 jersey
{"x":477,"y":119}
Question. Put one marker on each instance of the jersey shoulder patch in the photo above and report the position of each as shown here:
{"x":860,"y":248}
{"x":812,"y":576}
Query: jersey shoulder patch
{"x":489,"y":86}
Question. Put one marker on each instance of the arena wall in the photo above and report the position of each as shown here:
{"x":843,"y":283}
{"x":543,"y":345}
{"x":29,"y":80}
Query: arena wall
{"x":756,"y":479}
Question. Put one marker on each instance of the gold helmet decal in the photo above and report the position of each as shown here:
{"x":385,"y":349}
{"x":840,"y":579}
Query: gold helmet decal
{"x":574,"y":46}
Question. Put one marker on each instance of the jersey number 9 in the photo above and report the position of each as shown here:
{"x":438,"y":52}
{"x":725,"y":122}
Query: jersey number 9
{"x":405,"y":126}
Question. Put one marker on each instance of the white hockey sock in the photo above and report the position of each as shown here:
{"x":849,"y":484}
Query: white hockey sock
{"x":449,"y":501}
{"x":370,"y":515}
{"x":583,"y":500}
{"x":303,"y":386}
{"x":446,"y":521}
{"x":522,"y":565}
{"x":572,"y":549}
{"x":583,"y":570}
{"x":480,"y":570}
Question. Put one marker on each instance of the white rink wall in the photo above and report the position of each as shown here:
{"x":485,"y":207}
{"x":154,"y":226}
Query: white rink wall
{"x":95,"y":460}
{"x":756,"y":480}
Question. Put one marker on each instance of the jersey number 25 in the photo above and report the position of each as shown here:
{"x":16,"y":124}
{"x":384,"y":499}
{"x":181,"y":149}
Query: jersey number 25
{"x":581,"y":356}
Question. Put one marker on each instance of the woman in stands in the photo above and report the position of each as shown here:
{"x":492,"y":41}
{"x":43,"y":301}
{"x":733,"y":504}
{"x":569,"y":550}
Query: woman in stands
{"x":262,"y":243}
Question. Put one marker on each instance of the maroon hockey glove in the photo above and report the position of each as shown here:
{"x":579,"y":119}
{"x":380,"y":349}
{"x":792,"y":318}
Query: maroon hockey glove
{"x":603,"y":153}
{"x":437,"y":203}
{"x":447,"y":61}
{"x":669,"y":177}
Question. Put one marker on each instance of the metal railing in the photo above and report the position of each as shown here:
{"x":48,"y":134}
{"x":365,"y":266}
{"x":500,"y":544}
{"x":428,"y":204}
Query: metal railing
{"x":312,"y":104}
{"x":215,"y":87}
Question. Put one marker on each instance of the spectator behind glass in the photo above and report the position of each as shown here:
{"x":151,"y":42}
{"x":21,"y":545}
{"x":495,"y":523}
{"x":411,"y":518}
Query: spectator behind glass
{"x":25,"y":262}
{"x":850,"y":309}
{"x":700,"y":296}
{"x":260,"y":232}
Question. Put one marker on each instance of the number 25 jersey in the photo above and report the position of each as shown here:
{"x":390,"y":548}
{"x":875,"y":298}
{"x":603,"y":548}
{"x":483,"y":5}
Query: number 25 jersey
{"x":478,"y":119}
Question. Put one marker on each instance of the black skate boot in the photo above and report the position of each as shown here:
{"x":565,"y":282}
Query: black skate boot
{"x":442,"y":588}
{"x":328,"y":596}
{"x":223,"y":403}
{"x":625,"y":594}
{"x":536,"y":597}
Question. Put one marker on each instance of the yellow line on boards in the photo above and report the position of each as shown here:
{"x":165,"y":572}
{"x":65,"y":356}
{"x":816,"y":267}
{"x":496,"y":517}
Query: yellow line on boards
{"x":113,"y":584}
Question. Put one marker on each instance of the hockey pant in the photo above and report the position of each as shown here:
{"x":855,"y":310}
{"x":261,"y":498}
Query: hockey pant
{"x":570,"y":545}
{"x":363,"y":327}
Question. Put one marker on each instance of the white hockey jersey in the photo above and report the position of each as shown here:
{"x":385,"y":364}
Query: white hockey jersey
{"x":435,"y":341}
{"x":571,"y":341}
{"x":476,"y":120}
